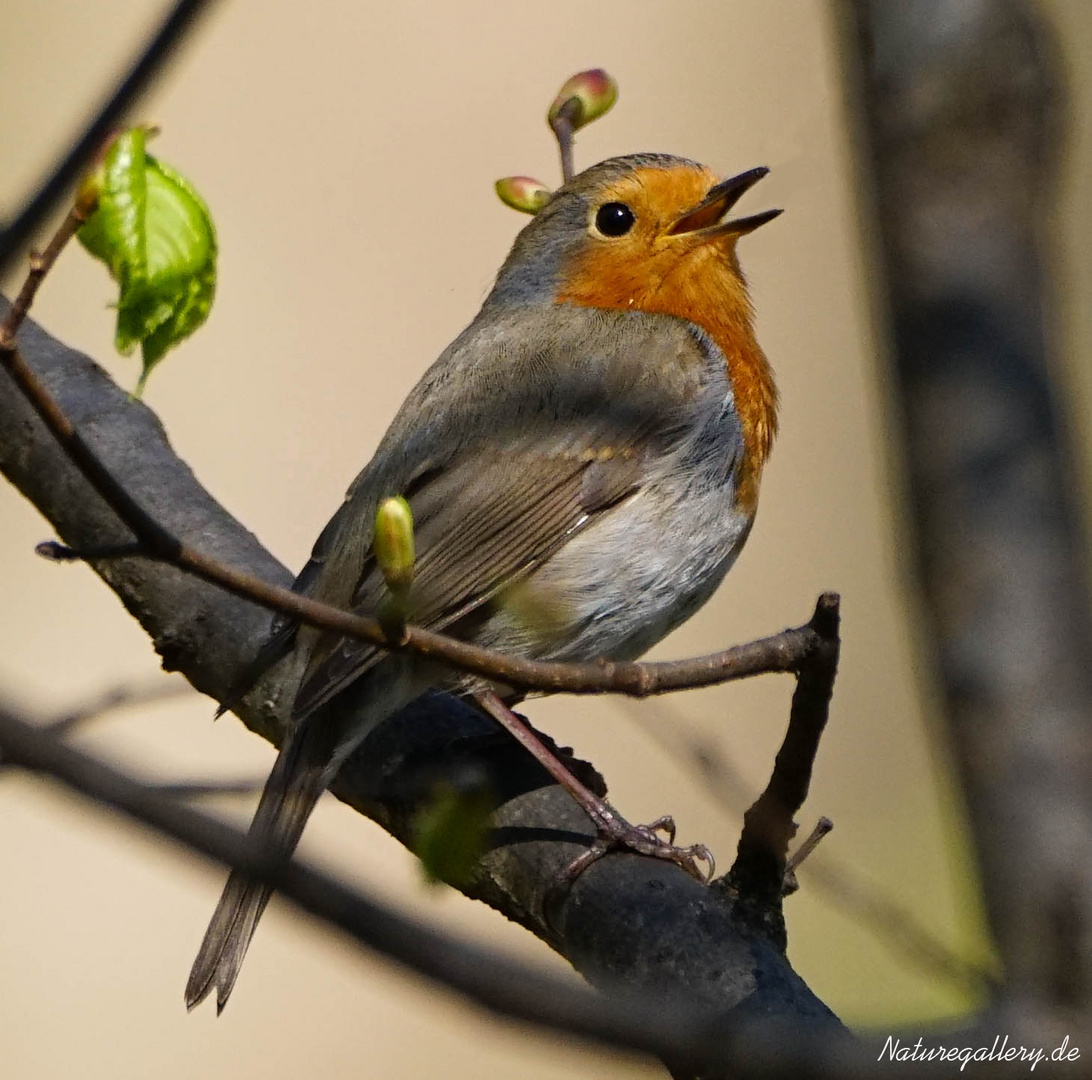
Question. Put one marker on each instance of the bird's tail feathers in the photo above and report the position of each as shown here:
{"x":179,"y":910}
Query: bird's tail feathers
{"x":299,"y":777}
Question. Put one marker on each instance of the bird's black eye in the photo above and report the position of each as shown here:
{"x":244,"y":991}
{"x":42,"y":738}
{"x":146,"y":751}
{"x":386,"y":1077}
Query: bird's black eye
{"x":614,"y":219}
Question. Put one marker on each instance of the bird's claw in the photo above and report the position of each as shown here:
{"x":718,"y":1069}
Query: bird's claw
{"x":617,"y":834}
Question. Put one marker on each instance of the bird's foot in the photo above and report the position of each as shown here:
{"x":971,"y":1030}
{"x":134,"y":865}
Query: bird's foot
{"x":613,"y":832}
{"x":617,"y":834}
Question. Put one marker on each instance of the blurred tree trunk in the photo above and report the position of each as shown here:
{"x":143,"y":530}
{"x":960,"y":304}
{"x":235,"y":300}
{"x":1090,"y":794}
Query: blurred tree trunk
{"x":962,"y":107}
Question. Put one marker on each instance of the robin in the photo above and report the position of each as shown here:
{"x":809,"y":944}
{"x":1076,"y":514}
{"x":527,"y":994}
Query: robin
{"x":582,"y":464}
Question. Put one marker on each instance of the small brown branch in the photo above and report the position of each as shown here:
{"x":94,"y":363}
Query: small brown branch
{"x":785,"y":651}
{"x":40,"y":265}
{"x":562,"y":126}
{"x":890,"y":923}
{"x":789,"y":884}
{"x":822,"y":828}
{"x":55,"y":552}
{"x":758,"y":873}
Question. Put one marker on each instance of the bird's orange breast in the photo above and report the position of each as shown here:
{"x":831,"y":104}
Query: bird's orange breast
{"x":699,"y":282}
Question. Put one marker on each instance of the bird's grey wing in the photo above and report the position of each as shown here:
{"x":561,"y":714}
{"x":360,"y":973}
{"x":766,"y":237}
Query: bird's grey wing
{"x":484,"y":521}
{"x":507,"y":445}
{"x":283,"y":628}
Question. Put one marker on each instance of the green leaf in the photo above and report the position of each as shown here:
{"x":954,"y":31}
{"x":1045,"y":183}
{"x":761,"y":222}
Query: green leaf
{"x":451,"y":832}
{"x":156,"y":237}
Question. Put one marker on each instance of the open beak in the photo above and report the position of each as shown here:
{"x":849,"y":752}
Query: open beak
{"x":707,"y":218}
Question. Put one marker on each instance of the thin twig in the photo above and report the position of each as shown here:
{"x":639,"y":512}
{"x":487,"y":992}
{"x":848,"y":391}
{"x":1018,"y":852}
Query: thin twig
{"x":40,"y":265}
{"x":158,"y":50}
{"x":786,"y":651}
{"x":768,"y":825}
{"x":822,"y":827}
{"x":119,"y":697}
{"x":789,"y":884}
{"x":781,"y":652}
{"x":563,"y":127}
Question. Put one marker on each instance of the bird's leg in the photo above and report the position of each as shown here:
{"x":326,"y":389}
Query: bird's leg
{"x":614,"y":832}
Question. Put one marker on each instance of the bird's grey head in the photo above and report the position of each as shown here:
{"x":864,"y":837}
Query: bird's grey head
{"x":531,"y":273}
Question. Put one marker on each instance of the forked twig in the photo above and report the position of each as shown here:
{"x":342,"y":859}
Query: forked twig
{"x":890,"y":923}
{"x":758,"y":874}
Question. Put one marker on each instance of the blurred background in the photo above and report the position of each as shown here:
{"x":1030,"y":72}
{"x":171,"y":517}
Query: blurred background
{"x":348,"y":153}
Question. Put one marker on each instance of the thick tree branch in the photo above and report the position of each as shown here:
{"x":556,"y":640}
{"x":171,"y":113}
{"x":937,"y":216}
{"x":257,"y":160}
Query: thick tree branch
{"x":491,"y":979}
{"x":676,"y":1026}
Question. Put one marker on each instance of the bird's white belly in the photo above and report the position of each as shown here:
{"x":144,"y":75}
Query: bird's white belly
{"x":638,"y":572}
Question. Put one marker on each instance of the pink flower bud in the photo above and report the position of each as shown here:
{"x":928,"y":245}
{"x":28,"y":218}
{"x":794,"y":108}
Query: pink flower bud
{"x":522,"y":193}
{"x":584,"y":98}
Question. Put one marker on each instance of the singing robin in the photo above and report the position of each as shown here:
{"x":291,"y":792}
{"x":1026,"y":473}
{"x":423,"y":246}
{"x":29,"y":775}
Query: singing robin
{"x":582,"y":463}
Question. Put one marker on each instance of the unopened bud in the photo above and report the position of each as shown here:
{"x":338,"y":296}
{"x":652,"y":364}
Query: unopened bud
{"x":89,"y":188}
{"x":86,"y":201}
{"x":393,"y":542}
{"x":584,"y":98}
{"x":522,"y":193}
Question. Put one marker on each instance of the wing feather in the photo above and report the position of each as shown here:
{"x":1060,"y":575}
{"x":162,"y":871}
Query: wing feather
{"x":482,"y":524}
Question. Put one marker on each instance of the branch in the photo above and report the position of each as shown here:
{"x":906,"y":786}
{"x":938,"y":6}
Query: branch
{"x":679,"y":1028}
{"x":691,"y":940}
{"x":893,"y":924}
{"x":758,"y":874}
{"x":509,"y":988}
{"x":490,"y":979}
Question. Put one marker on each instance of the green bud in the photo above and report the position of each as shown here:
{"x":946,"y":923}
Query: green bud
{"x":92,"y":181}
{"x":584,"y":98}
{"x":522,"y":193}
{"x":88,"y":192}
{"x":393,"y":542}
